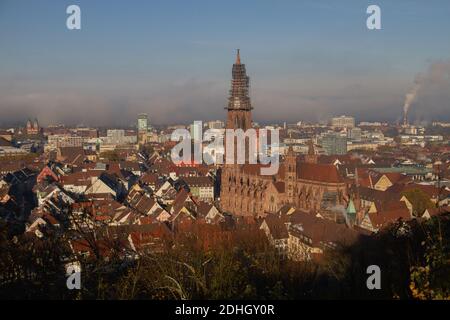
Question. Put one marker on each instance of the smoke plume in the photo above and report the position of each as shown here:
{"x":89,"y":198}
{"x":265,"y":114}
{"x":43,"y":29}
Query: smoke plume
{"x":411,"y":96}
{"x":430,"y":93}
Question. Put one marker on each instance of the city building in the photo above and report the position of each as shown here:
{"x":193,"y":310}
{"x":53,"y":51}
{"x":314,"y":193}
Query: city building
{"x":343,"y":122}
{"x":333,"y":143}
{"x":142,"y":126}
{"x":32,"y":127}
{"x":201,"y":187}
{"x":196,"y":130}
{"x":119,"y":137}
{"x":64,"y":140}
{"x":6,"y":135}
{"x":216,"y":124}
{"x":354,"y":134}
{"x":7,"y":151}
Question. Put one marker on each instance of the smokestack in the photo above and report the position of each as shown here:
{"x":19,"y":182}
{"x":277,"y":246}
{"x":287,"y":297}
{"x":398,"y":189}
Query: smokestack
{"x":405,"y":117}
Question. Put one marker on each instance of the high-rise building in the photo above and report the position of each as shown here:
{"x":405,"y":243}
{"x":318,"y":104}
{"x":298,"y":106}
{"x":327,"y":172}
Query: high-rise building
{"x":354,"y":134}
{"x":334,"y":144}
{"x":119,"y":137}
{"x":197,"y":131}
{"x":343,"y":122}
{"x":64,"y":140}
{"x":216,"y":124}
{"x":142,"y":127}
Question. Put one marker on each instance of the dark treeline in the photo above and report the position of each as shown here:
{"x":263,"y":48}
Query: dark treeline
{"x":413,"y":258}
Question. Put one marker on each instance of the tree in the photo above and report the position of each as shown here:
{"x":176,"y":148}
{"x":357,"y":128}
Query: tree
{"x":429,"y":279}
{"x":419,"y":200}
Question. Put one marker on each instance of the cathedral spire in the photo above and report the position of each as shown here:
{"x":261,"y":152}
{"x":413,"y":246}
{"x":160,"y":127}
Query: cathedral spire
{"x":239,"y":105}
{"x":238,"y":57}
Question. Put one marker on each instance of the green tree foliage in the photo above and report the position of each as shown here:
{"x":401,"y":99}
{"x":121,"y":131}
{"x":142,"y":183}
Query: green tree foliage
{"x":419,"y":200}
{"x":430,"y":278}
{"x":413,"y":257}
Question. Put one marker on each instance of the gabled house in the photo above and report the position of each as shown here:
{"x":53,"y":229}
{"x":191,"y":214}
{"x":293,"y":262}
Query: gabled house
{"x":109,"y":184}
{"x":375,"y":221}
{"x":149,"y":179}
{"x":201,"y":187}
{"x":151,"y":237}
{"x":310,"y":236}
{"x":183,"y":211}
{"x":276,"y":229}
{"x":78,"y":182}
{"x":388,"y":179}
{"x":44,"y":221}
{"x":166,"y":193}
{"x":52,"y":193}
{"x":210,"y":213}
{"x":432,"y":212}
{"x":48,"y":175}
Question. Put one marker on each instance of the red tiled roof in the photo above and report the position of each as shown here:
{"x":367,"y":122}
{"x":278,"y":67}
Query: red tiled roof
{"x":198,"y":181}
{"x":320,"y":230}
{"x":437,"y":211}
{"x":319,"y":172}
{"x":383,"y":218}
{"x":149,"y":178}
{"x":80,"y":178}
{"x":395,"y":177}
{"x":430,"y":190}
{"x":280,"y":186}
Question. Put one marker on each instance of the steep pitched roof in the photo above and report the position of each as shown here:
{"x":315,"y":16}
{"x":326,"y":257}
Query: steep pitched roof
{"x":198,"y":181}
{"x":110,"y":180}
{"x":319,"y":172}
{"x":279,"y":186}
{"x":430,"y":190}
{"x":321,"y":231}
{"x":382,"y":219}
{"x":277,"y":226}
{"x":149,"y":178}
{"x":395,"y":177}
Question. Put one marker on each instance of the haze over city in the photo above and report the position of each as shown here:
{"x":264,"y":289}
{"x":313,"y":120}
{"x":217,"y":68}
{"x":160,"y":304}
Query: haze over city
{"x":307,"y":61}
{"x":223,"y":156}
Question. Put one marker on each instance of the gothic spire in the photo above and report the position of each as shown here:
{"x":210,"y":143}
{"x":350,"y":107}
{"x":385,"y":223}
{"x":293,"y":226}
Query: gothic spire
{"x":239,"y":98}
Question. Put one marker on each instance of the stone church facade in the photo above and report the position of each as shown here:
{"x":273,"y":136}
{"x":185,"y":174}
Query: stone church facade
{"x":302,"y":183}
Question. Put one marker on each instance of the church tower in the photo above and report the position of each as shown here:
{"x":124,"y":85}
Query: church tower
{"x":311,"y":157}
{"x":291,"y":174}
{"x":239,"y":106}
{"x":238,"y":117}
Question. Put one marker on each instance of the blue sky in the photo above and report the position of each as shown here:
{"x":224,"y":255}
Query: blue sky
{"x":307,"y":60}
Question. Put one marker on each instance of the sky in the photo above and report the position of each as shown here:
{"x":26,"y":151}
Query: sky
{"x":307,"y":60}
